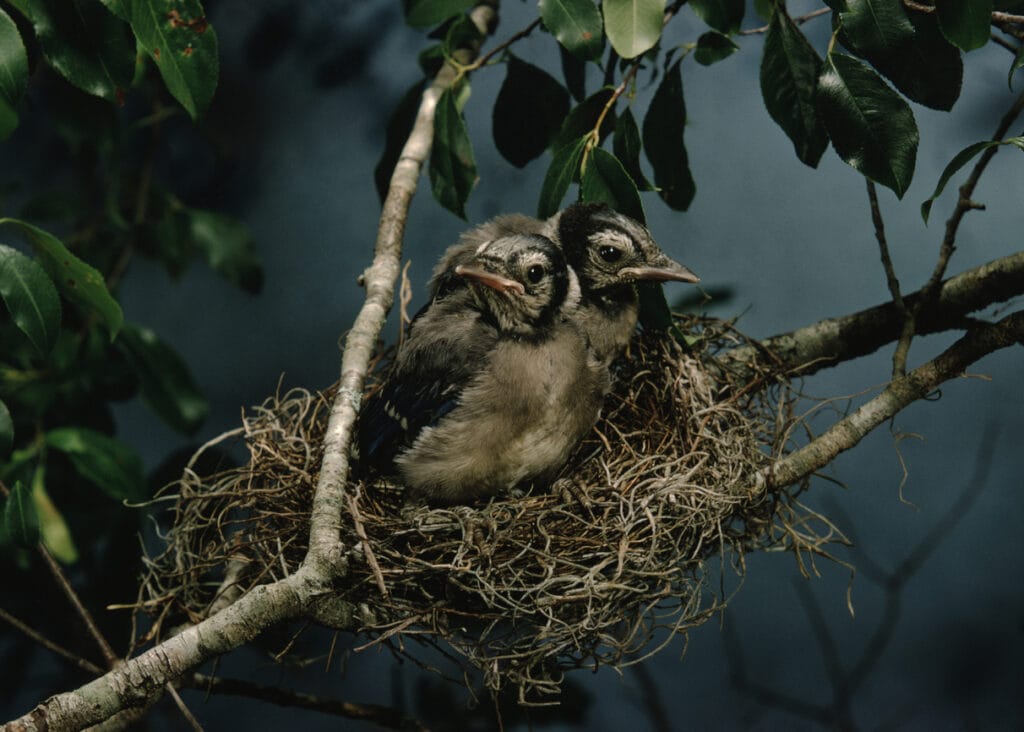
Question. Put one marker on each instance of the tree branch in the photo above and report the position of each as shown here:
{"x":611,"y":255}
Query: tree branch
{"x":834,"y":340}
{"x":899,"y":357}
{"x":980,"y":340}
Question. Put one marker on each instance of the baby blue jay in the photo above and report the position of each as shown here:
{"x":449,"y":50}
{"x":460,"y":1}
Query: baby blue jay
{"x":608,"y":251}
{"x":495,"y":384}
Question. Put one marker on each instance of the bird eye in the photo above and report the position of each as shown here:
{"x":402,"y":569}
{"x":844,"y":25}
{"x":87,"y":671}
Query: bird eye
{"x":535,"y":273}
{"x":610,"y":253}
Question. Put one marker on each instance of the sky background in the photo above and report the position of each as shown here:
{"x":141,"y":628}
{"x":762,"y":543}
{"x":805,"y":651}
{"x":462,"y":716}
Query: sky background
{"x":294,"y":134}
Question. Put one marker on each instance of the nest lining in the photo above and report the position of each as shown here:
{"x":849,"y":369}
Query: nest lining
{"x":581,"y":573}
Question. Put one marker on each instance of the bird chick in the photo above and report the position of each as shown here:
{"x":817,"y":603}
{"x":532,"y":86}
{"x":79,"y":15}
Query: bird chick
{"x":495,"y":384}
{"x":608,"y":251}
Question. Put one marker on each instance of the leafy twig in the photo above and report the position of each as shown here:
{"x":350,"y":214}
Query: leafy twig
{"x":899,"y":357}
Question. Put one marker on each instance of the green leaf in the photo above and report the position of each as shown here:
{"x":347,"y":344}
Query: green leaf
{"x":789,"y":79}
{"x":528,"y":112}
{"x":965,"y":23}
{"x":6,"y":430}
{"x":183,"y":45}
{"x":604,"y":180}
{"x":564,"y":168}
{"x":875,"y":27}
{"x":871,"y":127}
{"x":724,"y":16}
{"x":626,"y":145}
{"x":1018,"y":62}
{"x":425,"y":13}
{"x":582,"y":118}
{"x":452,"y":167}
{"x":164,"y":378}
{"x":926,"y":68}
{"x":118,"y":8}
{"x":85,"y":43}
{"x":53,"y":529}
{"x":633,"y":26}
{"x":960,"y":160}
{"x":576,"y":25}
{"x":8,"y":120}
{"x":764,"y":9}
{"x":228,"y":248}
{"x":80,"y":283}
{"x":712,"y":47}
{"x":109,"y":464}
{"x":654,"y":310}
{"x":13,"y":61}
{"x":663,"y":140}
{"x":30,"y":297}
{"x":574,"y":69}
{"x":20,"y":521}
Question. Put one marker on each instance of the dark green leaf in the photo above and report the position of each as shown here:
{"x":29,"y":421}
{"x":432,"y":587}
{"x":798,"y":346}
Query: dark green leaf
{"x":924,"y":66}
{"x":6,"y":430}
{"x":583,"y":117}
{"x":431,"y":59}
{"x":1018,"y":62}
{"x":871,"y":127}
{"x":574,"y":69}
{"x":712,"y":47}
{"x":576,"y":24}
{"x":563,"y":169}
{"x":633,"y":26}
{"x":626,"y":145}
{"x":460,"y":34}
{"x":182,"y":43}
{"x":724,"y":16}
{"x":80,"y":283}
{"x":960,"y":160}
{"x":529,"y":110}
{"x":228,"y":248}
{"x":452,"y":167}
{"x":399,"y":126}
{"x":8,"y":120}
{"x":30,"y":297}
{"x":604,"y":180}
{"x":654,"y":310}
{"x":118,"y":8}
{"x":663,"y":141}
{"x":85,"y":43}
{"x":763,"y":8}
{"x":13,"y":61}
{"x":109,"y":464}
{"x":965,"y":23}
{"x":789,"y":78}
{"x":875,"y":27}
{"x":165,"y":381}
{"x":21,"y":522}
{"x":425,"y":13}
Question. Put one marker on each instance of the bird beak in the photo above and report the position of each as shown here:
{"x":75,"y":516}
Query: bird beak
{"x":661,"y":270}
{"x":497,"y":282}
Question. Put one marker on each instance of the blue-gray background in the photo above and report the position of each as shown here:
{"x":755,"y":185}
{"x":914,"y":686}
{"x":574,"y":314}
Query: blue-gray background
{"x":305,"y":93}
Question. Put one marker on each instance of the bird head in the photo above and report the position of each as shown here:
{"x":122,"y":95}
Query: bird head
{"x":521,"y":280}
{"x":611,"y":251}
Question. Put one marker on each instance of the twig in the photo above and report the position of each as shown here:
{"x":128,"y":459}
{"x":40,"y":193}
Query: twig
{"x":109,"y":656}
{"x":798,"y":20}
{"x":185,"y":711}
{"x":383,"y":716}
{"x":899,"y":357}
{"x":45,"y":642}
{"x":980,"y":340}
{"x":482,"y":61}
{"x":371,"y":559}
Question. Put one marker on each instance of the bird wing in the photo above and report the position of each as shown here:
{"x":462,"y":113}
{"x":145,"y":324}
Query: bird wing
{"x":445,"y":349}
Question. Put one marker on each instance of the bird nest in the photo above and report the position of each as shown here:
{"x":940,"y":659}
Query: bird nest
{"x":632,"y":540}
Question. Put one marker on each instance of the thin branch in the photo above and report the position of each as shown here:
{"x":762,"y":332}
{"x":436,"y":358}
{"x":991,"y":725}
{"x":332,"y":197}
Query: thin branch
{"x":383,"y":716}
{"x":899,"y":357}
{"x":109,"y":656}
{"x":835,"y":340}
{"x":980,"y":340}
{"x":185,"y":711}
{"x":518,"y":36}
{"x":48,"y":644}
{"x":379,"y":280}
{"x":798,"y":20}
